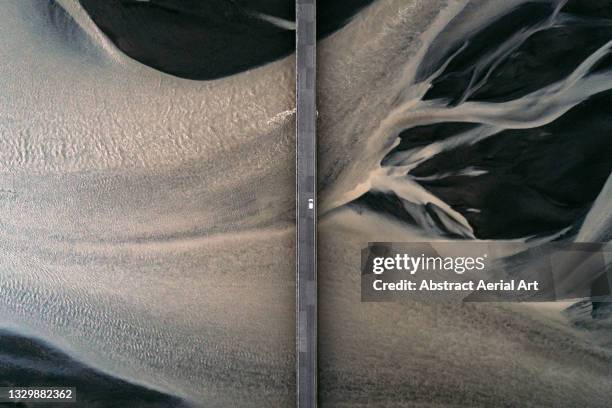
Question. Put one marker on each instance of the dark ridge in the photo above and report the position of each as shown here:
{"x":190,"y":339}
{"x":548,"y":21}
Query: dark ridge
{"x":384,"y":203}
{"x":433,"y":211}
{"x":601,"y":310}
{"x":392,"y":206}
{"x":539,"y":180}
{"x":545,"y":58}
{"x":605,"y":64}
{"x":207,"y":39}
{"x":27,"y":362}
{"x":420,"y":136}
{"x":454,"y":80}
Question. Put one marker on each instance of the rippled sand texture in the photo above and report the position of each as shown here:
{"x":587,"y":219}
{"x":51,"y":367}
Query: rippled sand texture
{"x":463,"y":120}
{"x":146,"y":220}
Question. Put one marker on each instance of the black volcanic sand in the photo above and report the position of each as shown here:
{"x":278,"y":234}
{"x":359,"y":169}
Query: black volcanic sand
{"x":27,"y":362}
{"x":538,"y":180}
{"x":207,"y":39}
{"x":333,"y":14}
{"x":544,"y":58}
